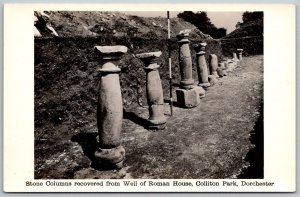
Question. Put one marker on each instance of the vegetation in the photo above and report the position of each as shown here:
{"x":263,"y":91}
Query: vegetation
{"x":248,"y":35}
{"x":203,"y":23}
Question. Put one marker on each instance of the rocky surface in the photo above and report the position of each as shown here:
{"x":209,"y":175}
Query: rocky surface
{"x":118,"y":24}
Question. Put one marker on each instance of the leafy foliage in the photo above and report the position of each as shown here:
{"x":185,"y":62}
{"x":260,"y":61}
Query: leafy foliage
{"x":252,"y":16}
{"x":203,"y":23}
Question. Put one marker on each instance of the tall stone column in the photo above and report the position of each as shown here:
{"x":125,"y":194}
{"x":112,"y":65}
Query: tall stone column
{"x":201,"y":65}
{"x":110,"y":108}
{"x":185,"y":60}
{"x":240,"y":52}
{"x":154,"y":89}
{"x":187,"y":94}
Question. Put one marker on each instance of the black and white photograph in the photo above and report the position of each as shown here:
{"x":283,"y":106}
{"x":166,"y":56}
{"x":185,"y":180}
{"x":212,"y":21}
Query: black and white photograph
{"x":158,"y":95}
{"x":163,"y":99}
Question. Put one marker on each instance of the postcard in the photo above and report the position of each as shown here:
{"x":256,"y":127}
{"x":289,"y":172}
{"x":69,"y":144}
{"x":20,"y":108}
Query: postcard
{"x":149,"y":98}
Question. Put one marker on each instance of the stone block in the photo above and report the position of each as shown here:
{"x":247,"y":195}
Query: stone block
{"x":188,"y":98}
{"x":201,"y":91}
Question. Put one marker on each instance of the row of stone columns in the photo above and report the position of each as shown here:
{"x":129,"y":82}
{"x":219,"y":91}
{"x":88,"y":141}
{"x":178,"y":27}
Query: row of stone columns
{"x":110,"y":107}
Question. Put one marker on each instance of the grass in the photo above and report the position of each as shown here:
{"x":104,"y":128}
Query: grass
{"x":209,"y":141}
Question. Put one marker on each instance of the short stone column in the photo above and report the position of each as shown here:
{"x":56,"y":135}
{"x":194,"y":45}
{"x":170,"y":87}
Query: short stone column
{"x":220,"y":70}
{"x":234,"y":57}
{"x":230,"y":66}
{"x":240,"y":52}
{"x":154,"y":90}
{"x":213,"y":66}
{"x":187,"y":94}
{"x":110,"y":152}
{"x":224,"y":66}
{"x":201,"y":65}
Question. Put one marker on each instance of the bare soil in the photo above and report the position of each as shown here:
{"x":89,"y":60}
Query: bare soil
{"x":214,"y":140}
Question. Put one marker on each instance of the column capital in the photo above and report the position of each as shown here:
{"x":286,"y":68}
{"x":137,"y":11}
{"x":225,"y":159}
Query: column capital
{"x":110,"y":54}
{"x":150,"y":59}
{"x":200,"y":48}
{"x":183,"y":36}
{"x":239,"y":50}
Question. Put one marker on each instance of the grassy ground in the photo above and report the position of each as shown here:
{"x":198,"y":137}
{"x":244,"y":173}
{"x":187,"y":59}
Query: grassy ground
{"x":212,"y":140}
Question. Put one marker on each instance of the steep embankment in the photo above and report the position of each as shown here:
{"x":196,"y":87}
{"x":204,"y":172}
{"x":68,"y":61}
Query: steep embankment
{"x":117,"y":24}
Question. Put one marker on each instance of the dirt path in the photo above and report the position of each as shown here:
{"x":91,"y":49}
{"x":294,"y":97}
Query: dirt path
{"x":209,"y":141}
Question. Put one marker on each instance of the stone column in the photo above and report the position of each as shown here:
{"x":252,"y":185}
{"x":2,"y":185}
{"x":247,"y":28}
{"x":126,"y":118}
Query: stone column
{"x":110,"y":152}
{"x":220,"y":70}
{"x":213,"y":66}
{"x":224,"y":66}
{"x":234,"y":57}
{"x":154,"y":89}
{"x":201,"y":65}
{"x":185,"y":60}
{"x":187,"y":94}
{"x":230,"y":65}
{"x":240,"y":52}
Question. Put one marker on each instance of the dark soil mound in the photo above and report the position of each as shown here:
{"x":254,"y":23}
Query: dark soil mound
{"x":117,"y":24}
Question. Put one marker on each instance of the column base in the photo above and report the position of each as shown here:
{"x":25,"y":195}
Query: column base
{"x":215,"y":73}
{"x":212,"y":79}
{"x":230,"y":67}
{"x":220,"y":72}
{"x":111,"y":158}
{"x":187,"y":84}
{"x":225,"y":73}
{"x":188,"y":98}
{"x":157,"y":124}
{"x":204,"y":85}
{"x":201,"y":91}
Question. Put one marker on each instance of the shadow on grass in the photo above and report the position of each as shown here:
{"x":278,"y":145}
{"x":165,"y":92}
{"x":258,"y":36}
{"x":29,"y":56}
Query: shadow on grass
{"x":175,"y":104}
{"x":135,"y":118}
{"x":256,"y":155}
{"x":89,"y":145}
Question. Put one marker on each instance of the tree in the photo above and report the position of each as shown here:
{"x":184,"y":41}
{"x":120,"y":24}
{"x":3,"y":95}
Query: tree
{"x":203,"y":23}
{"x":252,"y":16}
